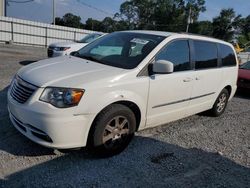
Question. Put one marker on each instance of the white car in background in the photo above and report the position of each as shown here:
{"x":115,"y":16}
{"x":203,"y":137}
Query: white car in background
{"x":65,"y":48}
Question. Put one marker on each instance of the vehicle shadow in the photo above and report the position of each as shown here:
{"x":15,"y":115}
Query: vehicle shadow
{"x":244,"y":94}
{"x":147,"y":162}
{"x":11,"y":141}
{"x":3,"y":102}
{"x":26,"y":62}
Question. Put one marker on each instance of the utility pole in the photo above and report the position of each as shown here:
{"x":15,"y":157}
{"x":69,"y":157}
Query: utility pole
{"x":54,"y":12}
{"x":189,"y":20}
{"x":5,"y":7}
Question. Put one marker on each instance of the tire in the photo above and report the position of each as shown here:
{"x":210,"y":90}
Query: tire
{"x":112,"y":131}
{"x":220,"y":103}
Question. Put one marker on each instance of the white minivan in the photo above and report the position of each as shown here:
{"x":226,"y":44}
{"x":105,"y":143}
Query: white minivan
{"x":121,"y":83}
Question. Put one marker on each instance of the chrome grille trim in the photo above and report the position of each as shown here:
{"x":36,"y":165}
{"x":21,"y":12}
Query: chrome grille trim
{"x":21,"y":90}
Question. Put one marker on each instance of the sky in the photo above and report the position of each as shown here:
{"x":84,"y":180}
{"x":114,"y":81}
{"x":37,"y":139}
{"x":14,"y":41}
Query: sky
{"x":41,"y":10}
{"x":214,"y":6}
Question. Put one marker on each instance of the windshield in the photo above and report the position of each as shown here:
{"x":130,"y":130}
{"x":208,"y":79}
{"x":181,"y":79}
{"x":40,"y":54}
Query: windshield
{"x":121,"y":49}
{"x":245,"y":65}
{"x":89,"y":38}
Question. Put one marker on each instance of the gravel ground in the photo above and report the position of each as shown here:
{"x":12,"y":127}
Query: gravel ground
{"x":198,"y":151}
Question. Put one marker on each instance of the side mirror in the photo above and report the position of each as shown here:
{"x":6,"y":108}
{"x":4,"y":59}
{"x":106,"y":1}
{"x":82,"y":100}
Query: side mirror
{"x":75,"y":53}
{"x":163,"y":67}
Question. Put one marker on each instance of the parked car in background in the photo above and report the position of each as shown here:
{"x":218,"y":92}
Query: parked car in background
{"x":244,"y":76}
{"x":121,"y":83}
{"x":65,"y":48}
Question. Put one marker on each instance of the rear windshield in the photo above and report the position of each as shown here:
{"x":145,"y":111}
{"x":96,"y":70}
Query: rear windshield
{"x":89,"y":38}
{"x":245,"y":66}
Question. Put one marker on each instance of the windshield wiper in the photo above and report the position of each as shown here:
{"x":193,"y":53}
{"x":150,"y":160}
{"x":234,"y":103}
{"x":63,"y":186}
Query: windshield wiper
{"x":90,"y":58}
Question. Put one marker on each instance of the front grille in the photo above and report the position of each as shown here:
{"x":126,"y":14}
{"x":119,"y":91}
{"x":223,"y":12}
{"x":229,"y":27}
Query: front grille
{"x":50,"y":51}
{"x":21,"y":91}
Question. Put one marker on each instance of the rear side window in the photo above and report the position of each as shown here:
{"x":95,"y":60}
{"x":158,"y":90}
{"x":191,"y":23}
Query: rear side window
{"x":206,"y":54}
{"x":227,"y":55}
{"x":176,"y":52}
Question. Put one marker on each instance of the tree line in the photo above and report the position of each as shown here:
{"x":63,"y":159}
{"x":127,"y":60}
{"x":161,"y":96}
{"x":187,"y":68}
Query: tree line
{"x":167,"y":15}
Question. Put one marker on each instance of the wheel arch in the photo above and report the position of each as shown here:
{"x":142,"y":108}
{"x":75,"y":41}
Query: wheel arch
{"x":131,"y":105}
{"x":229,"y":89}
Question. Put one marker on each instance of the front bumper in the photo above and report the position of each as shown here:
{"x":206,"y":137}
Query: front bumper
{"x":49,"y":126}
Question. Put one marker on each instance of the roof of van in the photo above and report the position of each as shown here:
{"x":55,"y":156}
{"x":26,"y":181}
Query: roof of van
{"x":167,"y":34}
{"x":161,"y":33}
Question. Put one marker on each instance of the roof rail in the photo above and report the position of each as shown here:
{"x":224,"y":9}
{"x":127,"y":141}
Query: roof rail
{"x":198,"y":35}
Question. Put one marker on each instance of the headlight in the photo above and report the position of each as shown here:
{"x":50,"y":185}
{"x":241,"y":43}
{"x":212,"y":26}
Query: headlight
{"x":62,"y":97}
{"x":61,"y":48}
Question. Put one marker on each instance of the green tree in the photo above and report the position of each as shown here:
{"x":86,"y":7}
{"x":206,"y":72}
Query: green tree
{"x":109,"y":25}
{"x":170,"y":15}
{"x":59,"y":21}
{"x":202,"y":28}
{"x":92,"y":24}
{"x":226,"y":24}
{"x":128,"y":14}
{"x":72,"y":20}
{"x":245,"y":28}
{"x":196,"y":6}
{"x":69,"y":20}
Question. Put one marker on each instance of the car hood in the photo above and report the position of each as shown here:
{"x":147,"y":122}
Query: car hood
{"x":67,"y":71}
{"x":244,"y":73}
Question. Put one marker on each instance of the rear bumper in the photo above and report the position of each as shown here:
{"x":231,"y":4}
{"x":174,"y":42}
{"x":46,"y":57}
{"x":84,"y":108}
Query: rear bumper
{"x":243,"y":85}
{"x":59,"y":130}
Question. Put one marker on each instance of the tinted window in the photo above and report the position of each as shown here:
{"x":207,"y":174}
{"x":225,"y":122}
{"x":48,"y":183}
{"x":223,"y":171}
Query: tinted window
{"x":89,"y":38}
{"x":205,"y":54}
{"x":227,"y":55}
{"x":176,"y":52}
{"x":245,"y":66}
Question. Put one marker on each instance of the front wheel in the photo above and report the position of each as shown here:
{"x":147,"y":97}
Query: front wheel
{"x":220,"y":103}
{"x":112,"y":131}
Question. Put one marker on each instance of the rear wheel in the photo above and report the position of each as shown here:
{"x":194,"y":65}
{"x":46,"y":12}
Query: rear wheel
{"x":220,"y":103}
{"x":112,"y":131}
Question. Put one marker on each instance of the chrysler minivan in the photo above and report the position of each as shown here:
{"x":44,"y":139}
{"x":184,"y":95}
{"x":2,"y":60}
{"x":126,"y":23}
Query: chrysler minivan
{"x":121,"y":83}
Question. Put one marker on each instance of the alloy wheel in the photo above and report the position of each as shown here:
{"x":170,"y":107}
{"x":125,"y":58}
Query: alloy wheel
{"x":116,"y":131}
{"x":221,"y":103}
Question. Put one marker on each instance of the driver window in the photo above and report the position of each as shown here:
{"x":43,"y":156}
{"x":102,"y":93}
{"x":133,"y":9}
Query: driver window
{"x":176,"y":52}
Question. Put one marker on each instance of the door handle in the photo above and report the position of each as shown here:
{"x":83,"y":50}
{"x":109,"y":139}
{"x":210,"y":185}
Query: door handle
{"x":187,"y":80}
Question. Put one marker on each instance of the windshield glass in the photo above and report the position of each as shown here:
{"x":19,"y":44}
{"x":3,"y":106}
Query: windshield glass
{"x":89,"y":38}
{"x":245,"y":65}
{"x":121,"y":49}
